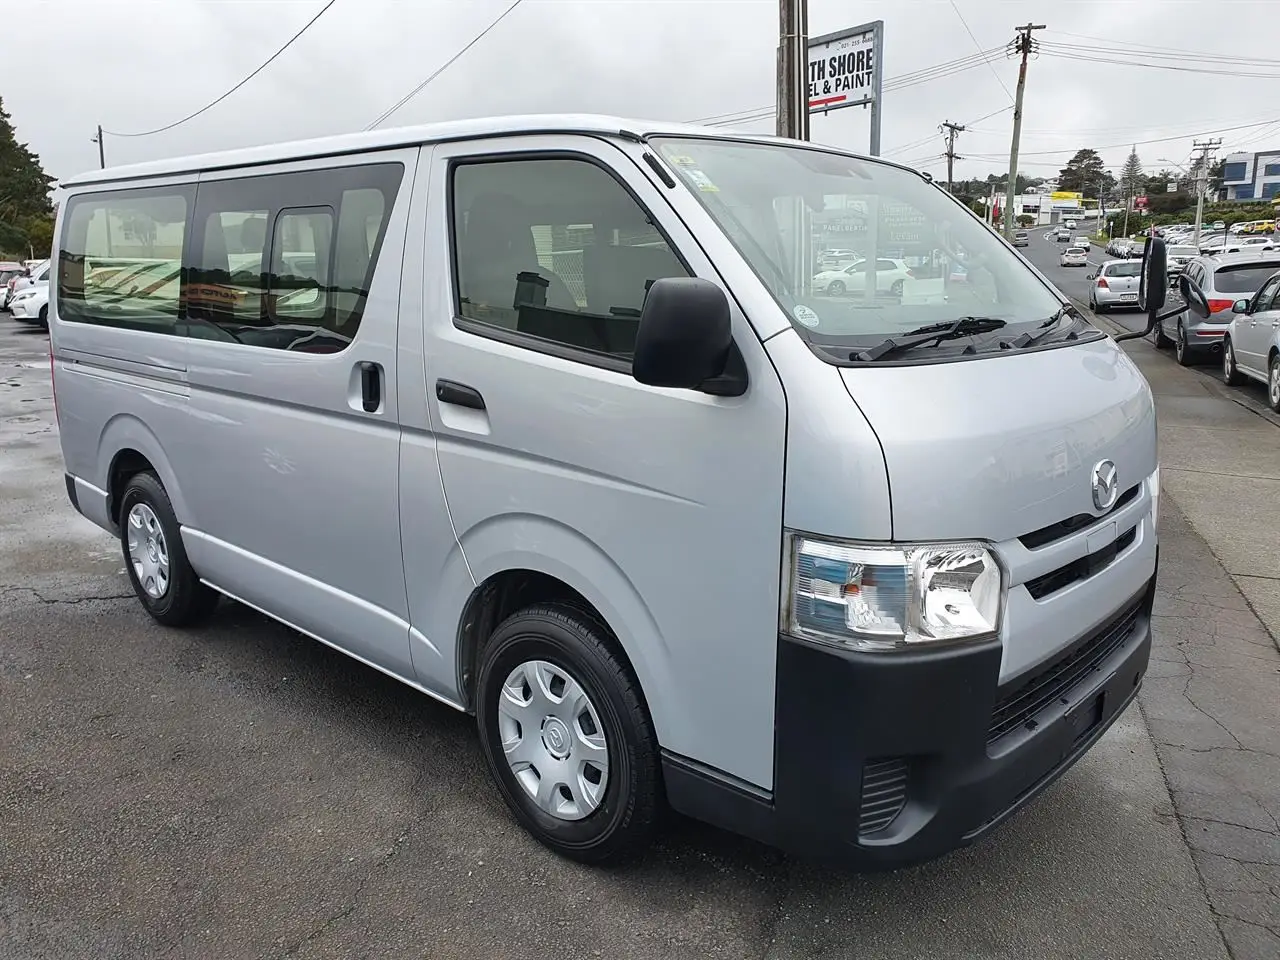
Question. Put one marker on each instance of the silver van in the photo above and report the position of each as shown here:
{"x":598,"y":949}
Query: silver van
{"x":543,"y":417}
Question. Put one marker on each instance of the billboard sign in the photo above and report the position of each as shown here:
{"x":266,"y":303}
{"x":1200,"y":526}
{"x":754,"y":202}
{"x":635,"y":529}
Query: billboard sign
{"x":1140,"y":203}
{"x":844,"y":68}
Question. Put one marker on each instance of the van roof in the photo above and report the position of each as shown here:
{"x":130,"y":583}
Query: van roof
{"x":518,"y":125}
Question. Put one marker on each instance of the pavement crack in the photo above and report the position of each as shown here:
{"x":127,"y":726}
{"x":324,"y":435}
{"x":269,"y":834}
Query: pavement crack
{"x":1186,"y":693}
{"x":39,"y":597}
{"x":1228,"y":823}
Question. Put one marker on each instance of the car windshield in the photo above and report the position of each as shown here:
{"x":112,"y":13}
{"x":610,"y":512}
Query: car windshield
{"x":1124,"y":269}
{"x":1246,"y":278}
{"x":923,"y":257}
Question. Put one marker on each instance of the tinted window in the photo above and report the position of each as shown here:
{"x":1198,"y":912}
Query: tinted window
{"x":1124,"y":269}
{"x":556,"y":249}
{"x":1244,"y":279}
{"x":121,"y":256}
{"x":285,"y":261}
{"x":1233,"y":171}
{"x":1266,"y":296}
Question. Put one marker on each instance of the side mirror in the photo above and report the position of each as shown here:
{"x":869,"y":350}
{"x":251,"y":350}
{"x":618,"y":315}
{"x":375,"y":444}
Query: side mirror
{"x":1154,"y":283}
{"x":1091,"y":276}
{"x":1194,"y":296}
{"x":1240,"y":306}
{"x":684,"y":336}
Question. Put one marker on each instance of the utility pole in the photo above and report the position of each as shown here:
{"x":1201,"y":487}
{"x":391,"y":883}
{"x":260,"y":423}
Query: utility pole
{"x":952,"y":129}
{"x":1022,"y":45}
{"x":102,"y":156}
{"x":793,"y":69}
{"x":1128,"y":197}
{"x":1206,"y":148}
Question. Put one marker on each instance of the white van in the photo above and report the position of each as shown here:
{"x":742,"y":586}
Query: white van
{"x":543,"y":417}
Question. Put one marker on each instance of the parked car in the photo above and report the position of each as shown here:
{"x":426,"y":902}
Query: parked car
{"x":1251,"y":348}
{"x":9,"y":270}
{"x":1115,"y":285}
{"x":31,"y":304}
{"x":1074,"y":257}
{"x":24,"y":280}
{"x":1021,"y":238}
{"x":766,"y":566}
{"x":890,"y":277}
{"x":1219,"y":225}
{"x":1223,"y":279}
{"x":1178,"y":256}
{"x":836,"y":257}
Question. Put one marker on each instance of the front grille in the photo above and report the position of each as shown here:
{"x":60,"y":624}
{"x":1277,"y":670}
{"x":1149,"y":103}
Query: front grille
{"x":1056,"y":531}
{"x":884,"y":793}
{"x":1019,"y":706}
{"x":1081,"y":569}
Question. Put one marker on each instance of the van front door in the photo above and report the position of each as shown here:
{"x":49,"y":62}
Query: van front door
{"x":662,"y":507}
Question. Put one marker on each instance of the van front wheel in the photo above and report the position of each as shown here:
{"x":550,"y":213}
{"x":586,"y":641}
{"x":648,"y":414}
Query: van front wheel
{"x":154,"y":556}
{"x":566,"y":735}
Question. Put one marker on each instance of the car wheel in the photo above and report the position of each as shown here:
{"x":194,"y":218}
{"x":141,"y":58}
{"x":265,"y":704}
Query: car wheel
{"x":836,"y":288}
{"x":44,"y":317}
{"x":155,"y":559}
{"x":1100,"y":307}
{"x":567,"y":736}
{"x":1273,"y":383}
{"x":1161,"y":340}
{"x":1230,"y":375}
{"x":896,"y":289}
{"x":1181,"y":349}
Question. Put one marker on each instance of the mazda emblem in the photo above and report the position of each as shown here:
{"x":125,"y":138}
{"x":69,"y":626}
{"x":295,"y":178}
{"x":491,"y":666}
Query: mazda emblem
{"x":1106,"y":485}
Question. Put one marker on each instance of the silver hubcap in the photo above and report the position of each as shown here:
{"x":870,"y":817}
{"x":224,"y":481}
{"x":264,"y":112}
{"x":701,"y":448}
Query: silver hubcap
{"x":1275,"y":382}
{"x":1228,"y":362}
{"x":148,"y":551}
{"x":1182,"y":341}
{"x":553,"y":740}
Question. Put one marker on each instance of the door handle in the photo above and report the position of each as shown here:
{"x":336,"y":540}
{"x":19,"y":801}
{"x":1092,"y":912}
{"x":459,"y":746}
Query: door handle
{"x":447,"y":391}
{"x":370,"y":387}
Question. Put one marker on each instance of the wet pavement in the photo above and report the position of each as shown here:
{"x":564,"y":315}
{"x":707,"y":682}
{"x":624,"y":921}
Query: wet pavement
{"x":241,"y":791}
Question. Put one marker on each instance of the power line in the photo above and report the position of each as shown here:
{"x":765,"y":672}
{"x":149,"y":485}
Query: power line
{"x":214,"y":103}
{"x":1113,"y":146}
{"x":447,"y":64}
{"x":1140,"y":47}
{"x":924,"y":75}
{"x":1127,"y":59}
{"x":978,"y":46}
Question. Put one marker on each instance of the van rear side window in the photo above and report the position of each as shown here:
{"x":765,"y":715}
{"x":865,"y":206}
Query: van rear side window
{"x":121,"y":258}
{"x":281,"y":261}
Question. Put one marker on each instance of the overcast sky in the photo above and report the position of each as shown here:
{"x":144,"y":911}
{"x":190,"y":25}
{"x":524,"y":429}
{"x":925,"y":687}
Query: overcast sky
{"x":134,"y":65}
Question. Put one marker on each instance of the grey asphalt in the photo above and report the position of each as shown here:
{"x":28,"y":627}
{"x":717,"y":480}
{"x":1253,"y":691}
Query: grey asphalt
{"x":240,"y":791}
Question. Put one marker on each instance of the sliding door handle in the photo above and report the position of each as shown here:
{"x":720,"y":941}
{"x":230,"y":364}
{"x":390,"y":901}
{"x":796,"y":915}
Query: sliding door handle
{"x":459,"y":394}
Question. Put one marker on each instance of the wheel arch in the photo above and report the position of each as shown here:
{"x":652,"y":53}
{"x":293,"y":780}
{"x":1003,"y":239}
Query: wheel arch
{"x":127,"y":446}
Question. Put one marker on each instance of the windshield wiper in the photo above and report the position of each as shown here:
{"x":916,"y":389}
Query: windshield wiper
{"x":933,"y":333}
{"x":1046,"y":328}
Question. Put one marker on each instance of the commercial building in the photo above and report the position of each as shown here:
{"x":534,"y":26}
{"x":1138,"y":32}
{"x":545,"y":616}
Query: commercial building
{"x":1251,"y":176}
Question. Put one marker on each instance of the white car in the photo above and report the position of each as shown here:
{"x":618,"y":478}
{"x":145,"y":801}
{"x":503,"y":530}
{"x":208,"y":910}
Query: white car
{"x":1252,"y":347}
{"x":1074,"y":257}
{"x":31,"y":304}
{"x":1080,"y":241}
{"x":16,"y":284}
{"x":891,"y":276}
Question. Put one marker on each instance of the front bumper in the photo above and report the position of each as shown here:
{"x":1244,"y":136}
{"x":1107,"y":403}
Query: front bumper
{"x":885,"y":761}
{"x":20,"y":311}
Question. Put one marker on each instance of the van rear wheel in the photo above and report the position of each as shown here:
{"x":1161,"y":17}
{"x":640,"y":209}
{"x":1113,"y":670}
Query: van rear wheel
{"x":566,"y":735}
{"x":154,"y":557}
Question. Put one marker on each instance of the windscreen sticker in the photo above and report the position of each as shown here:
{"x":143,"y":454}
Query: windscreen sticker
{"x":701,"y":180}
{"x":806,"y":316}
{"x":683,"y":161}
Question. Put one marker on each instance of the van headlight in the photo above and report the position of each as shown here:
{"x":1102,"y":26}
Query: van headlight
{"x":890,"y":597}
{"x":1153,"y":487}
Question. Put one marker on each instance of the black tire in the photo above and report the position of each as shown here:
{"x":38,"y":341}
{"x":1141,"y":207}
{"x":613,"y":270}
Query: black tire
{"x":835,"y":288}
{"x":1160,"y":339}
{"x":1230,"y":374}
{"x":1098,"y":307}
{"x":896,"y":289}
{"x":44,"y":317}
{"x":1182,"y":349}
{"x":1273,"y":383}
{"x":577,"y":642}
{"x":185,"y":600}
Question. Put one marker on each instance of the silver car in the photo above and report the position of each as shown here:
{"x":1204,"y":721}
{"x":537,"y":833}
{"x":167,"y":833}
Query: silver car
{"x":1251,"y":347}
{"x":1224,"y":279}
{"x":1115,"y":284}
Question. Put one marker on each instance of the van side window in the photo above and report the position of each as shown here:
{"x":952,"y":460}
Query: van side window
{"x":285,"y":260}
{"x":556,"y":249}
{"x":120,"y":259}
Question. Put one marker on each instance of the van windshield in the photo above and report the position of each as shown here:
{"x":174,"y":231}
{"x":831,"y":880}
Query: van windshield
{"x":920,"y":257}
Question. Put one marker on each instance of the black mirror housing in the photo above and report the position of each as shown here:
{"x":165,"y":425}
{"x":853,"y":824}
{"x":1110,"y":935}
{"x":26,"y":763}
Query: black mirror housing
{"x":1154,"y":284}
{"x":1193,"y":296}
{"x":685,"y":336}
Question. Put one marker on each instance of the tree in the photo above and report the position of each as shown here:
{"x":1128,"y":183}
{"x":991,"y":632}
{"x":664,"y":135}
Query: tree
{"x":1084,"y":173}
{"x":24,"y":189}
{"x":1132,"y":181}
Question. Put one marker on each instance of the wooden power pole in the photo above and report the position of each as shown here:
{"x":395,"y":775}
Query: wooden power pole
{"x":793,"y":69}
{"x":952,"y":129}
{"x":1022,"y":45}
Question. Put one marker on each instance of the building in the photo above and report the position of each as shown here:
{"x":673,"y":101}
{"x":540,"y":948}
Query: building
{"x":1251,"y":176}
